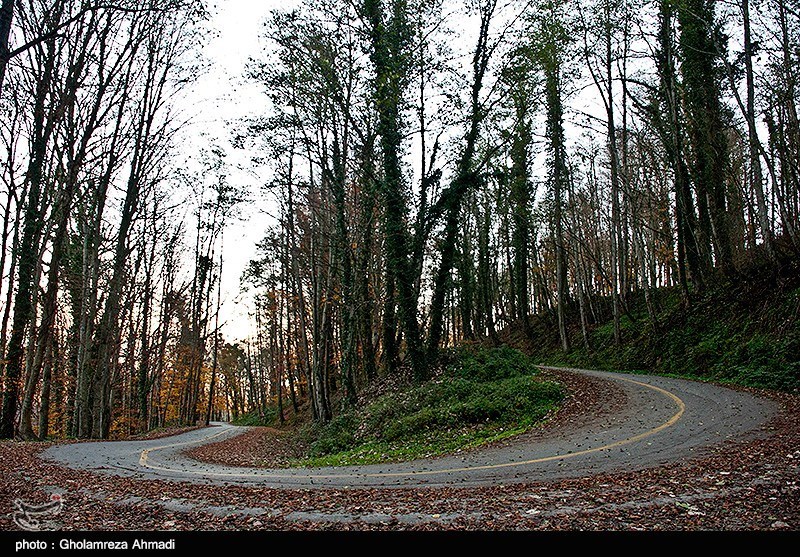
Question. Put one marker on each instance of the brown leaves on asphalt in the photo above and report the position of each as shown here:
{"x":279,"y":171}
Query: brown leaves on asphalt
{"x":260,"y":447}
{"x":747,"y":485}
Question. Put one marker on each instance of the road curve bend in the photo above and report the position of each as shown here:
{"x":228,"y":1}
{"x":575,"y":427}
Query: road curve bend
{"x":662,"y":420}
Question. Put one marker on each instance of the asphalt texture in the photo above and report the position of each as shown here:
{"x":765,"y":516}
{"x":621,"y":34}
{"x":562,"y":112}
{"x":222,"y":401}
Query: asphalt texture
{"x":661,"y":420}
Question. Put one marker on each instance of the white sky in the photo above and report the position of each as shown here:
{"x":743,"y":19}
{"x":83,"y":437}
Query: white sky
{"x":217,"y":100}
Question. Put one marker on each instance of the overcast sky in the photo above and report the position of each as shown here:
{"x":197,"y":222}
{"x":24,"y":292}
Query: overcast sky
{"x":219,"y":98}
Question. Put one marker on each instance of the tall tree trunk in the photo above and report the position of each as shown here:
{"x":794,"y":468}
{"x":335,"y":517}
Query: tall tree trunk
{"x":692,"y":257}
{"x":51,"y":360}
{"x":790,"y":147}
{"x":44,"y":338}
{"x":9,"y":297}
{"x":215,"y":350}
{"x":29,"y":258}
{"x":465,"y":179}
{"x":485,"y":286}
{"x":390,"y":354}
{"x":143,"y":381}
{"x":558,"y":180}
{"x":521,"y":199}
{"x":466,"y":283}
{"x":287,"y":302}
{"x":365,"y":297}
{"x":617,"y":265}
{"x":6,"y":18}
{"x":756,"y":178}
{"x":345,"y":258}
{"x":709,"y":161}
{"x":389,"y":35}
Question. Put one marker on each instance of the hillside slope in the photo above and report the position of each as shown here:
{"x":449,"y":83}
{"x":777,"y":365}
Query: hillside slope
{"x":744,"y":331}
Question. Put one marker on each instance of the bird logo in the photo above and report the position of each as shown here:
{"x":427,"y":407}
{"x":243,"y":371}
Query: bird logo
{"x":33,"y":517}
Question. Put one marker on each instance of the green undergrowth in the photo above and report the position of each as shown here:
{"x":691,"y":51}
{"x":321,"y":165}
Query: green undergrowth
{"x":744,"y":333}
{"x":478,"y":395}
{"x":264,"y":417}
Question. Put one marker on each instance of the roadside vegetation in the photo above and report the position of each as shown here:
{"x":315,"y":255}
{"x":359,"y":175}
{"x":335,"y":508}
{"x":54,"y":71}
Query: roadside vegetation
{"x":745,"y":333}
{"x":479,"y":395}
{"x":476,"y":396}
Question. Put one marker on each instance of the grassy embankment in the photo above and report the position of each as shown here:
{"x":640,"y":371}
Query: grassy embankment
{"x":477,"y":395}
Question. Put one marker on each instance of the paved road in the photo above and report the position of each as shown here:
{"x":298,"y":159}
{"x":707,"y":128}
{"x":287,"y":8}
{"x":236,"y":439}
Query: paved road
{"x":662,"y":420}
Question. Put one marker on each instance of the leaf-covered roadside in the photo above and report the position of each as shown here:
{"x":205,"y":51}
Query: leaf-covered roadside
{"x":259,"y":447}
{"x":752,"y":485}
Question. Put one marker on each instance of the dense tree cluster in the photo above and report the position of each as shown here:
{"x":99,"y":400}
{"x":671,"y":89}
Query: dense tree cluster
{"x":442,"y":172}
{"x":91,"y":235}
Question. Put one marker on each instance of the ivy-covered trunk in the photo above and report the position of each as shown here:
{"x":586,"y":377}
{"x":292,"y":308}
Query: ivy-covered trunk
{"x":389,"y":35}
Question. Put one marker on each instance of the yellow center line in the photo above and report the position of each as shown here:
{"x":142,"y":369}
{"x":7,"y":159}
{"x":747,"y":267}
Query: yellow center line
{"x":145,"y":453}
{"x":628,"y":440}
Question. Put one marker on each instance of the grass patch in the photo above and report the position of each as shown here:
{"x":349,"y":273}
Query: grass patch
{"x":480,"y":395}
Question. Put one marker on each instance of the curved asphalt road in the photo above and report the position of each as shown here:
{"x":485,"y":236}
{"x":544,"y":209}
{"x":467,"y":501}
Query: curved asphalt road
{"x":663,"y":420}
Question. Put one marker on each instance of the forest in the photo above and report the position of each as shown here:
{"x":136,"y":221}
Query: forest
{"x":440,"y":173}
